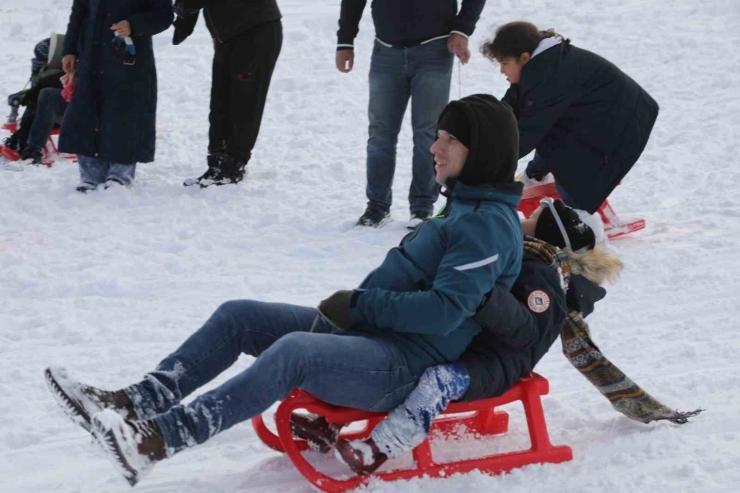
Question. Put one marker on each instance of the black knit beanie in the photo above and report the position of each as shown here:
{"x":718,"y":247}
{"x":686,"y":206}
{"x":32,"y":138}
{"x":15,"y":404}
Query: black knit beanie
{"x":455,"y":122}
{"x":579,"y":233}
{"x":488,"y":128}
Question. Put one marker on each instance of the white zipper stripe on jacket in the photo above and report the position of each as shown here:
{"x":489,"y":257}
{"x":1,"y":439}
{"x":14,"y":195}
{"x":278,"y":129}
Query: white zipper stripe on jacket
{"x":477,"y":264}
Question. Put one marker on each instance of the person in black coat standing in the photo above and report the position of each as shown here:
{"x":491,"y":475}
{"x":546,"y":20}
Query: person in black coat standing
{"x":247,"y":37}
{"x":110,"y":121}
{"x":586,"y":119}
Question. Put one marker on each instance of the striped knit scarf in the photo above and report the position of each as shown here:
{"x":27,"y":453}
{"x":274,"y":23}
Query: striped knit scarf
{"x":624,"y":394}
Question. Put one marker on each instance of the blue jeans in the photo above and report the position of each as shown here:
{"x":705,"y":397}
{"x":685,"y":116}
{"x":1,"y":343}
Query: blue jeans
{"x":340,"y":368}
{"x":96,"y":171}
{"x":408,"y":425}
{"x":50,"y":104}
{"x":537,"y":169}
{"x":422,"y":73}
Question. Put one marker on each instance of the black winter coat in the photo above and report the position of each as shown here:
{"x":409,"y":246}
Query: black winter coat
{"x":229,"y":18}
{"x":588,"y":120}
{"x":517,"y":332}
{"x":112,"y":114}
{"x":408,"y":22}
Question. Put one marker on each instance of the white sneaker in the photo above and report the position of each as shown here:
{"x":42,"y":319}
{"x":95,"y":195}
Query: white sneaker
{"x":417,"y":218}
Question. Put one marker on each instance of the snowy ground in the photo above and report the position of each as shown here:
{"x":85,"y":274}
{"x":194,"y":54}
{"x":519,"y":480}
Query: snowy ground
{"x":108,"y":283}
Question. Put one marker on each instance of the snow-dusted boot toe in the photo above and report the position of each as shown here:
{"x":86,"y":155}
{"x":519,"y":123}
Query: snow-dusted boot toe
{"x":133,"y":447}
{"x":320,"y":434}
{"x":80,"y":402}
{"x":363,"y":457}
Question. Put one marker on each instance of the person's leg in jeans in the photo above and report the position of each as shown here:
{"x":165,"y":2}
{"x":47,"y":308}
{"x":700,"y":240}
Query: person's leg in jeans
{"x":408,"y":424}
{"x":389,"y":95}
{"x":350,"y":370}
{"x":92,"y":172}
{"x":430,"y":92}
{"x":50,"y":104}
{"x":121,"y":174}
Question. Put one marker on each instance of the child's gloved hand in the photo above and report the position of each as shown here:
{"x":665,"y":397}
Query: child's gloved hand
{"x":184,"y":27}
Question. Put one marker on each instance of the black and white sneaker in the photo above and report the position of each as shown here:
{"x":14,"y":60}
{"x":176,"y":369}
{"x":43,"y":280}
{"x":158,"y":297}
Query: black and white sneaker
{"x":417,"y":218}
{"x":374,"y":218}
{"x":86,"y":186}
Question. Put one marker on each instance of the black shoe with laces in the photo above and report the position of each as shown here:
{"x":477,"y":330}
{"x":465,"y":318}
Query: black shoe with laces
{"x":32,"y":155}
{"x":374,"y":218}
{"x":212,"y":174}
{"x":11,"y":142}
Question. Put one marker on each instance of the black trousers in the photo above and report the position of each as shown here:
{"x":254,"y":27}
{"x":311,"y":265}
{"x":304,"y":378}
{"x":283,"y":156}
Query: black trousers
{"x":242,"y":69}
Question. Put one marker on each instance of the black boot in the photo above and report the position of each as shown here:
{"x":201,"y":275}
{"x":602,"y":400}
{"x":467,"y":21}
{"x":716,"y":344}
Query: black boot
{"x":32,"y":155}
{"x":233,"y":171}
{"x":212,"y":174}
{"x":11,"y":142}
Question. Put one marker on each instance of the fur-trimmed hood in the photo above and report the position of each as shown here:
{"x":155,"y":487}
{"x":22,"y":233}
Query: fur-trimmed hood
{"x":597,"y":265}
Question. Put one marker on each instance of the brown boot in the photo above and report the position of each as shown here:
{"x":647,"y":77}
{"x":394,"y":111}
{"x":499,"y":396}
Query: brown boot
{"x":363,"y":457}
{"x":320,"y":434}
{"x":80,"y":401}
{"x":133,"y":447}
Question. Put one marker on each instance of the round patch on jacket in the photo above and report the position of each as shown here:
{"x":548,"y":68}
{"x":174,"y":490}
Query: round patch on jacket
{"x":538,"y":301}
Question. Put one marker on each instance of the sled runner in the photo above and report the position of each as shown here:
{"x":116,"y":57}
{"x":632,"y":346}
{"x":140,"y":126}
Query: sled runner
{"x":613,"y":226}
{"x":50,"y":150}
{"x":484,"y":421}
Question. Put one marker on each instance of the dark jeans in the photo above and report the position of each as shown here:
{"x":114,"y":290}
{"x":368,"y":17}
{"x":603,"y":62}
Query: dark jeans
{"x":242,"y":69}
{"x":340,"y":368}
{"x":422,"y":73}
{"x":50,"y":104}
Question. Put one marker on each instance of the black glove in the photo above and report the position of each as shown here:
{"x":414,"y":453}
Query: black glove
{"x":185,"y":8}
{"x":184,"y":27}
{"x":335,"y":309}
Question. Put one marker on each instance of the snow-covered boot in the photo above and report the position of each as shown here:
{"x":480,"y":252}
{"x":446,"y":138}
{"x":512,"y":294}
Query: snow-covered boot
{"x":212,"y":174}
{"x":133,"y":447}
{"x":233,"y":171}
{"x":80,"y":401}
{"x":363,"y":457}
{"x":319,"y":433}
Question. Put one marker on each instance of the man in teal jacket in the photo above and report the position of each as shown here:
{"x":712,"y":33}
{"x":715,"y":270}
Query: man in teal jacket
{"x":363,"y":348}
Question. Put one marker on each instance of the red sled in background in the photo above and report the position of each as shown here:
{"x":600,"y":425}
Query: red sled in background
{"x":480,"y":419}
{"x":50,"y":150}
{"x":613,"y":226}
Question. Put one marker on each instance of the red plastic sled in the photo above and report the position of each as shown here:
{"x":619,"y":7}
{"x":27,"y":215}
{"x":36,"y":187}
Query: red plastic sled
{"x":613,"y":226}
{"x":484,"y":421}
{"x":50,"y":150}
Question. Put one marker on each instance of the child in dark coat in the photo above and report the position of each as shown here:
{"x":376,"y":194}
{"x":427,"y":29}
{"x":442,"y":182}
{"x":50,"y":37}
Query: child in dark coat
{"x":586,"y":119}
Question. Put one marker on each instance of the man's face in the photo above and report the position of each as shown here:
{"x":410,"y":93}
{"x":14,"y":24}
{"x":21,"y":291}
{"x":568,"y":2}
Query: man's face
{"x":512,"y":67}
{"x":449,"y":156}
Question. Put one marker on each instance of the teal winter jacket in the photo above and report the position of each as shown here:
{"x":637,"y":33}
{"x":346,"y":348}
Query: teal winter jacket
{"x":425,"y":292}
